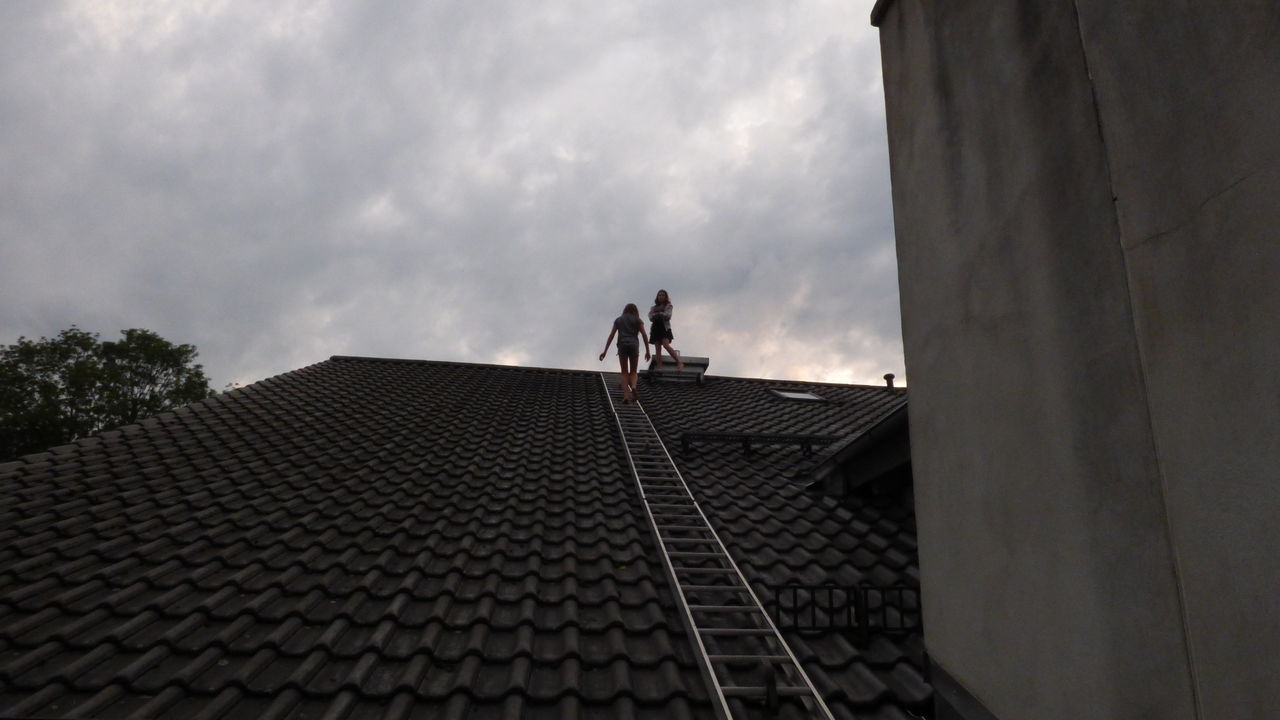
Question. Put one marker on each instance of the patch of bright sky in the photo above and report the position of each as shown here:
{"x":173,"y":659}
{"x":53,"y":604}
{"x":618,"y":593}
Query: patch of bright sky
{"x":279,"y":182}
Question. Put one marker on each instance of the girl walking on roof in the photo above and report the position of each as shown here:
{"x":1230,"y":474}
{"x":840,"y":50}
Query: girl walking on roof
{"x":660,"y":316}
{"x":625,"y":327}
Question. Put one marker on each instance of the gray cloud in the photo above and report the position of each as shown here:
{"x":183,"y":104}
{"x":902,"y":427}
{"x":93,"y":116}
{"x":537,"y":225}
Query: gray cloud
{"x":486,"y":181}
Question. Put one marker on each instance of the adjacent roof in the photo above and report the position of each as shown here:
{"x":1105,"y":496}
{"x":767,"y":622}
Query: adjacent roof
{"x":367,"y":538}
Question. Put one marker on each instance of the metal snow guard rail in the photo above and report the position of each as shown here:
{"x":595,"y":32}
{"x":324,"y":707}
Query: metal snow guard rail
{"x":860,"y":610}
{"x":748,"y":439}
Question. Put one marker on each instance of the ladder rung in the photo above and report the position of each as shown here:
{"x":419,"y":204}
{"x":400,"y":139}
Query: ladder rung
{"x":713,"y":588}
{"x":761,"y":691}
{"x":690,"y":528}
{"x":705,"y":571}
{"x":689,"y":541}
{"x":674,"y":505}
{"x":735,"y":631}
{"x":748,"y":658}
{"x":691,"y":554}
{"x":725,"y":608}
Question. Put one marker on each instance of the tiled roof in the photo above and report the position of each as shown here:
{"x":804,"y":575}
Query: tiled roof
{"x":778,"y":533}
{"x":370,"y":538}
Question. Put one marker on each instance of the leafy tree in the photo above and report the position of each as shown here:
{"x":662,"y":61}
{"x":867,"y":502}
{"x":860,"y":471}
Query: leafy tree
{"x":55,"y":390}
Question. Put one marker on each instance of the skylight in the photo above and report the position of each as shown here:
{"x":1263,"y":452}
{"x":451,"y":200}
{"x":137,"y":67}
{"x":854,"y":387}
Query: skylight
{"x":796,"y":394}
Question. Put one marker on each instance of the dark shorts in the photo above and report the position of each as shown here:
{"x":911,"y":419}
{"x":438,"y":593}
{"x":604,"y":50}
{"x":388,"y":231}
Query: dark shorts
{"x":660,"y":333}
{"x":628,"y":350}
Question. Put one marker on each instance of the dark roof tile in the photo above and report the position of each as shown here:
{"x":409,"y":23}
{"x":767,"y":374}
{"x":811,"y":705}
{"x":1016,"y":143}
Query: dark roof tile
{"x":397,"y":539}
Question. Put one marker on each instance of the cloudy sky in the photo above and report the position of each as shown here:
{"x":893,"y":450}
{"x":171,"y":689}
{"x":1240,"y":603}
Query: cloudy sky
{"x":480,"y":181}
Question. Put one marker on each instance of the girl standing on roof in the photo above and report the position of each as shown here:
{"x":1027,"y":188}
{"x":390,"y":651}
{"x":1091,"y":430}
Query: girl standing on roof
{"x":660,"y":316}
{"x":625,"y":327}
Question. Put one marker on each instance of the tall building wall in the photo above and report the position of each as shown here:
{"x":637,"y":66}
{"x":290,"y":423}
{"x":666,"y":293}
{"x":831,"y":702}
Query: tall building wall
{"x":1087,"y":202}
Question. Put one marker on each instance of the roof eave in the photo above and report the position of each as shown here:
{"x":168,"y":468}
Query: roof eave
{"x":893,"y":423}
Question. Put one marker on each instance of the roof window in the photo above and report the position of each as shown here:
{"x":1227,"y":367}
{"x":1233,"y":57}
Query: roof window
{"x":795,"y":394}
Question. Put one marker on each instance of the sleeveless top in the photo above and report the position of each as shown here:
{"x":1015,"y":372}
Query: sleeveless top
{"x":628,"y":327}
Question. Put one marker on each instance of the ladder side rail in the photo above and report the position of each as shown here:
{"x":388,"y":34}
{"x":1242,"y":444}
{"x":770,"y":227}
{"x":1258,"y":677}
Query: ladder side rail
{"x":708,"y":672}
{"x":817,"y":697}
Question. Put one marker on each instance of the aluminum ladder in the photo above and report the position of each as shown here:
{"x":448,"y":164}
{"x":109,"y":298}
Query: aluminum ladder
{"x":741,"y":652}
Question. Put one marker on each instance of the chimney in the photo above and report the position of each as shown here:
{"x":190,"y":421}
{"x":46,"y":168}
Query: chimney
{"x":888,"y":380}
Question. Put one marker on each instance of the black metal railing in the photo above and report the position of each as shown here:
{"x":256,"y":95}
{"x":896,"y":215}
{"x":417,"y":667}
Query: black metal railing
{"x":857,"y":610}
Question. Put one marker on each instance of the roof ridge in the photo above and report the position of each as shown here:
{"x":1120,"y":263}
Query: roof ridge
{"x":456,"y":363}
{"x":531,"y":368}
{"x":819,"y":383}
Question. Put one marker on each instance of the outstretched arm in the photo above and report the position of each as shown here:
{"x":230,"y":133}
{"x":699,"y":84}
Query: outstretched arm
{"x":608,"y":342}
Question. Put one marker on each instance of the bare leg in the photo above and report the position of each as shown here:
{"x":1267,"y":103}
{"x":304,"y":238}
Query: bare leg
{"x":674,"y":354}
{"x":657,"y":355}
{"x":635,"y":395}
{"x":622,"y":374}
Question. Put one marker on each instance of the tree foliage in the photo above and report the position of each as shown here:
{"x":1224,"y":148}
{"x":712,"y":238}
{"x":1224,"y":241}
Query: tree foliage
{"x":54,"y":390}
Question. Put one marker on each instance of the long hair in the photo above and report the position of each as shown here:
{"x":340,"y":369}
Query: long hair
{"x":660,"y":293}
{"x":631,"y":309}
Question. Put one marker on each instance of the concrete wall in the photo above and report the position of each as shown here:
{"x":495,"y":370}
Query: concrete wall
{"x":1087,"y":213}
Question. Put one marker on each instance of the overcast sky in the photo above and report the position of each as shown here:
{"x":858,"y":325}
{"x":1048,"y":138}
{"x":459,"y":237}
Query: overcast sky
{"x":480,"y":181}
